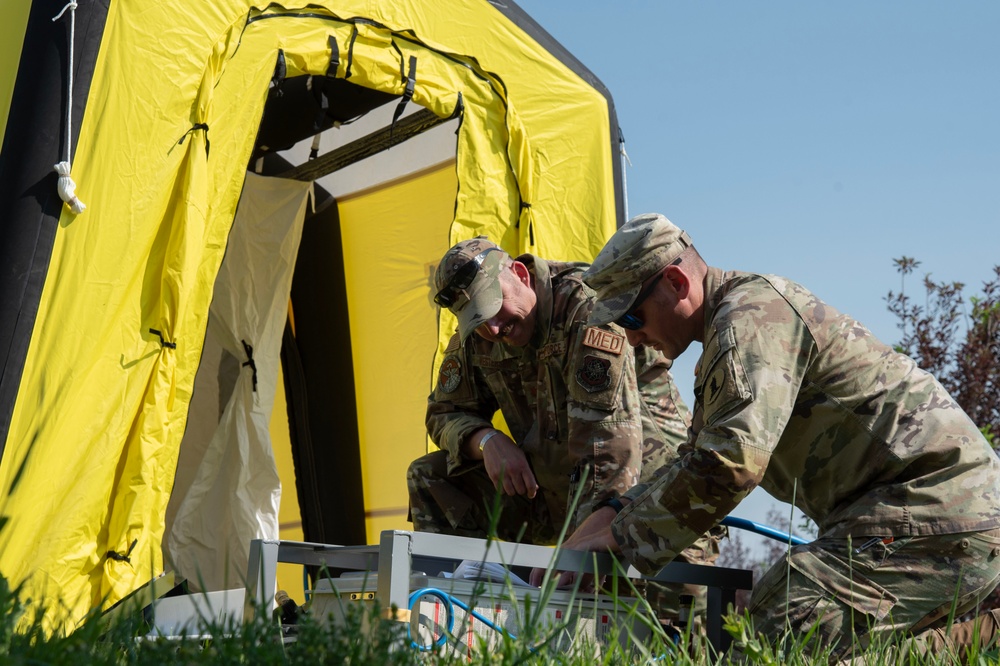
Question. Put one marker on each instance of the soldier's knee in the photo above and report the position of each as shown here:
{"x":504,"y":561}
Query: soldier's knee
{"x":425,"y":469}
{"x":977,"y":634}
{"x":417,"y":474}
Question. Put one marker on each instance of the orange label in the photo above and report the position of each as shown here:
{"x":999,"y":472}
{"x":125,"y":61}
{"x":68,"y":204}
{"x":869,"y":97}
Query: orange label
{"x":607,"y":341}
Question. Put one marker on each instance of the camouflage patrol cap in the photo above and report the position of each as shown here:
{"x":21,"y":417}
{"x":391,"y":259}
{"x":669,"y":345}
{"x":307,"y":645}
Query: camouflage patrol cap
{"x":467,"y":282}
{"x":640,"y":248}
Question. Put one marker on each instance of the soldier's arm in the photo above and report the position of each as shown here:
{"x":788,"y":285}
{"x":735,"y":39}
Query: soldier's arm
{"x":460,"y":408}
{"x":666,"y":420}
{"x":605,"y":431}
{"x":749,"y":376}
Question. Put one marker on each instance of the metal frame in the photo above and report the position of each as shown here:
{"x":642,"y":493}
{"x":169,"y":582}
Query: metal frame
{"x":397,"y":551}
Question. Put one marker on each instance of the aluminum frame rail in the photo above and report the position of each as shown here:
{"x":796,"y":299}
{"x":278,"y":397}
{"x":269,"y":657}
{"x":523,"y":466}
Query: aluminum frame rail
{"x":393,"y":558}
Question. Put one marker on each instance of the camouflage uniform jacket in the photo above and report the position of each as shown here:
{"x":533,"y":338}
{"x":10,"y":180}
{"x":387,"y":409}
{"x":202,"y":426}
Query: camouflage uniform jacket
{"x":796,"y":397}
{"x":569,"y":398}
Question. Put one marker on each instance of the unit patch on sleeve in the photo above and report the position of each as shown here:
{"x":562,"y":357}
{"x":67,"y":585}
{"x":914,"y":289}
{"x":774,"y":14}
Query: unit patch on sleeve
{"x":715,"y":383}
{"x":598,"y":338}
{"x":450,"y":375}
{"x":721,"y":384}
{"x":595,"y":374}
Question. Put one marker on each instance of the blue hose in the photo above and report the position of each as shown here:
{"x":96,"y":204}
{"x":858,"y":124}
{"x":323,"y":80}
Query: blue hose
{"x":763,"y":530}
{"x":448,"y":601}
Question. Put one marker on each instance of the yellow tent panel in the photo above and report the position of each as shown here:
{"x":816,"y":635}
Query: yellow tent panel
{"x":395,"y":331}
{"x":104,"y":314}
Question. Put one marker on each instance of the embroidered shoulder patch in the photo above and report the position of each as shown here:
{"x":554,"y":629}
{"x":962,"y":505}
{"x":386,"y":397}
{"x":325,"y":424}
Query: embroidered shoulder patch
{"x":595,"y":374}
{"x":450,"y":375}
{"x":721,"y":382}
{"x":598,"y":338}
{"x":716,"y":384}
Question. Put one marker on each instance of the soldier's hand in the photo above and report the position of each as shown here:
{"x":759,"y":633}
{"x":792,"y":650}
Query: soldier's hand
{"x":508,"y":467}
{"x":593,"y":534}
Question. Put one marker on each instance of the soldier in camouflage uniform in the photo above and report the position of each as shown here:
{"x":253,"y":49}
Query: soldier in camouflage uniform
{"x":580,"y":404}
{"x":568,"y":393}
{"x":802,"y":400}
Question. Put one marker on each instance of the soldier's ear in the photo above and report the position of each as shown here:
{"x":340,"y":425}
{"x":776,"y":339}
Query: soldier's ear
{"x":522,"y":273}
{"x":678,"y":278}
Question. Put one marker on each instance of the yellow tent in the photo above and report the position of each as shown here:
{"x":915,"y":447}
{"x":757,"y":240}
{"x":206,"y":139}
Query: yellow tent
{"x":267,"y":190}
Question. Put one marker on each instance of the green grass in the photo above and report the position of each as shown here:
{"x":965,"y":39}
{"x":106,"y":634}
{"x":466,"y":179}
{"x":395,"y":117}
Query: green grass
{"x":359,"y":637}
{"x":362,"y":638}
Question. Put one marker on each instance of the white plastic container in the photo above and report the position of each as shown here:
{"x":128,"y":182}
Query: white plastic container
{"x":188,"y":615}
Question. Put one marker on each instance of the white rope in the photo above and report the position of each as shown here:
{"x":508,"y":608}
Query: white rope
{"x":66,"y":186}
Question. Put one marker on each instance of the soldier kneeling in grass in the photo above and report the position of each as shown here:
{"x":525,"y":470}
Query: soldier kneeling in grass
{"x":582,"y":407}
{"x":804,"y":401}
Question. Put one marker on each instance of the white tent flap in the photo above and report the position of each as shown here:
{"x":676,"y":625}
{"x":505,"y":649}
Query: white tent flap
{"x":227,"y":491}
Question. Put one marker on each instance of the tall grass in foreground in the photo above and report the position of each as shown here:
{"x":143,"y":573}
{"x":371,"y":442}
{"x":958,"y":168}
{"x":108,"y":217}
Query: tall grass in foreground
{"x":361,"y":638}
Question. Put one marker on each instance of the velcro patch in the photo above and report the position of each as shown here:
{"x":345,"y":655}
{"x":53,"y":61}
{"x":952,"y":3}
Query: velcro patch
{"x":595,"y":374}
{"x":721,"y":384}
{"x":450,"y":375}
{"x":488,"y":362}
{"x":598,"y":338}
{"x":715,"y":386}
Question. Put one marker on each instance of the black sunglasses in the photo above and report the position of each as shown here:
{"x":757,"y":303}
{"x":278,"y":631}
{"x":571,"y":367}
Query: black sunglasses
{"x":629,"y":320}
{"x":461,"y":280}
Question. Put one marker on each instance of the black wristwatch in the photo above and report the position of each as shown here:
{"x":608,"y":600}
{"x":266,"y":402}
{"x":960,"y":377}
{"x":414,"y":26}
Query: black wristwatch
{"x":614,"y":502}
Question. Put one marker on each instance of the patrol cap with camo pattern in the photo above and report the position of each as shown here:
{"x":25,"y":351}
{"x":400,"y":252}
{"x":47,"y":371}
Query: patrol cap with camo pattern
{"x":640,"y":248}
{"x":482,"y":297}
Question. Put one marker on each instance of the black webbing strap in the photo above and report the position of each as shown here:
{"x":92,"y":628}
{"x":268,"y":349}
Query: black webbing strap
{"x":280,"y":71}
{"x":118,"y":557}
{"x":199,"y":126}
{"x":350,"y":51}
{"x":331,"y":69}
{"x":411,"y":82}
{"x":319,"y":92}
{"x":163,"y":343}
{"x":250,"y":362}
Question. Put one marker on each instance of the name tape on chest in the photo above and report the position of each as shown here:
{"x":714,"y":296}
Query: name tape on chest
{"x":489,"y":363}
{"x":554,"y":349}
{"x":598,"y":338}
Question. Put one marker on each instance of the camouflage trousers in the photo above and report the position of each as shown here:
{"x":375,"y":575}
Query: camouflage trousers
{"x":461,"y":503}
{"x":872,"y":587}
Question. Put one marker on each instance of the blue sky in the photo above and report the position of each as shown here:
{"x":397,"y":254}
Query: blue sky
{"x":814,"y":140}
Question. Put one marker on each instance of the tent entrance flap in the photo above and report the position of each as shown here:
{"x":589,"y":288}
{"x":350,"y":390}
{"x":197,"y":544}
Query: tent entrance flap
{"x":226,"y":489}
